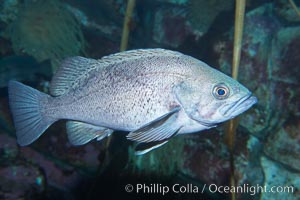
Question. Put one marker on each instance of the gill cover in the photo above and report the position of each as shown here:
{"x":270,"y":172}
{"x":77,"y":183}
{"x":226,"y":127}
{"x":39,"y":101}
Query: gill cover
{"x":187,"y":97}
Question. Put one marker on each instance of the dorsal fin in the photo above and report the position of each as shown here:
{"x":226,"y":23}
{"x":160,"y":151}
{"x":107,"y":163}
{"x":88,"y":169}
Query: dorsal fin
{"x":136,"y":54}
{"x":70,"y":74}
{"x":76,"y":69}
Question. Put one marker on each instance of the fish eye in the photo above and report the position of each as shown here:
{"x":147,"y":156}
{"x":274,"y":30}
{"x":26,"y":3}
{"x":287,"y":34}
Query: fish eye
{"x":221,"y":91}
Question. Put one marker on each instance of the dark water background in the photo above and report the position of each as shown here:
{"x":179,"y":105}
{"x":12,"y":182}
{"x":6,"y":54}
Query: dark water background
{"x":36,"y":35}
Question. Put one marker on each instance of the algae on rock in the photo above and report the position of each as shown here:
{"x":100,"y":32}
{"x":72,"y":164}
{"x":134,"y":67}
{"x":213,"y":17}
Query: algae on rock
{"x":46,"y":30}
{"x":202,"y":13}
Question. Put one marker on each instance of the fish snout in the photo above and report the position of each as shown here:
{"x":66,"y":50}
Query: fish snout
{"x":233,"y":109}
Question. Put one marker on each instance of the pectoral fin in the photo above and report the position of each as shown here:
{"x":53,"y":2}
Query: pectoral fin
{"x":143,"y":148}
{"x":160,"y":129}
{"x":80,"y":133}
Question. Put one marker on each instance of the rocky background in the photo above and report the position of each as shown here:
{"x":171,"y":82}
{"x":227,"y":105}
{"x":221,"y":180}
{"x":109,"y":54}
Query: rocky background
{"x":35,"y":35}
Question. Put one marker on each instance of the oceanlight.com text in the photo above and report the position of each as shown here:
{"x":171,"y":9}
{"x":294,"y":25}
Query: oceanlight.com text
{"x":250,"y":189}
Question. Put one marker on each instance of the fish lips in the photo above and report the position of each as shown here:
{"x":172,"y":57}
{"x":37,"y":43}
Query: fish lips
{"x":243,"y":104}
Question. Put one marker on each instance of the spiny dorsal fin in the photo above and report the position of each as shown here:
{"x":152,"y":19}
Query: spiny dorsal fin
{"x":75,"y":70}
{"x":70,"y":74}
{"x":136,"y":54}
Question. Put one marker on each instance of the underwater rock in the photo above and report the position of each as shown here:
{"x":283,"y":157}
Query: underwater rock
{"x":19,"y":180}
{"x":63,"y":175}
{"x":170,"y":27}
{"x":9,"y":10}
{"x":176,"y":21}
{"x":5,"y":47}
{"x":175,"y":2}
{"x":93,"y":38}
{"x":284,"y":9}
{"x":164,"y":161}
{"x":8,"y":148}
{"x":23,"y":68}
{"x":279,"y":182}
{"x":260,"y":28}
{"x":103,"y":12}
{"x":46,"y":30}
{"x":202,"y":13}
{"x":206,"y":158}
{"x":284,"y":145}
{"x":261,"y":58}
{"x":27,"y":173}
{"x":101,"y":17}
{"x":6,"y":125}
{"x":248,"y":170}
{"x":285,"y":55}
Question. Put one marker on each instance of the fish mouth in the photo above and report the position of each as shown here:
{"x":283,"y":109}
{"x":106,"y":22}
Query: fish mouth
{"x":240,"y":106}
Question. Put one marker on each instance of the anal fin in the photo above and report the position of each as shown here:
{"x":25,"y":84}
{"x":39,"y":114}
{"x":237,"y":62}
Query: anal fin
{"x":80,"y":133}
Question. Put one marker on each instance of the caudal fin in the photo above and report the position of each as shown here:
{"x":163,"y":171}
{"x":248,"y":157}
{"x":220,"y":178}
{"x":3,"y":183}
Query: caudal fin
{"x":25,"y":105}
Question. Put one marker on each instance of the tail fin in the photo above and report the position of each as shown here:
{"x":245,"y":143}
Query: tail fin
{"x":25,"y":105}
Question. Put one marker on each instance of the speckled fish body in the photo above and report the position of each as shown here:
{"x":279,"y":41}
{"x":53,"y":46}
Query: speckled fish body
{"x":124,"y":95}
{"x":154,"y":94}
